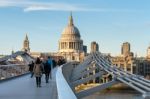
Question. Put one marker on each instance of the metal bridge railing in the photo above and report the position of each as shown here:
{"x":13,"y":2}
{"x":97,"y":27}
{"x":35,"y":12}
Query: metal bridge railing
{"x":63,"y":89}
{"x":13,"y":70}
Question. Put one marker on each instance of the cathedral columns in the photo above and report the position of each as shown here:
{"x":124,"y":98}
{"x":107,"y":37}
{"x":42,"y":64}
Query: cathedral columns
{"x":75,"y":45}
{"x":65,"y":45}
{"x":72,"y":45}
{"x":62,"y":45}
{"x":69,"y":45}
{"x":78,"y":45}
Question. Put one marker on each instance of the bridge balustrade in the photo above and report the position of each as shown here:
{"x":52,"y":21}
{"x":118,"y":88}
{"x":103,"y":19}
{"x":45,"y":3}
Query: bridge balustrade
{"x":63,"y":89}
{"x":8,"y":71}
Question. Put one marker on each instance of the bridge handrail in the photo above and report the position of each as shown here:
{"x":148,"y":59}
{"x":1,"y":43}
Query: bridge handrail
{"x":12,"y":70}
{"x":63,"y":88}
{"x":12,"y":65}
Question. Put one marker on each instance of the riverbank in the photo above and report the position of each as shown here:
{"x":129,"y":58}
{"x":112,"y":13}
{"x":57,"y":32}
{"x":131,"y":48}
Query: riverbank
{"x":119,"y":91}
{"x":116,"y":88}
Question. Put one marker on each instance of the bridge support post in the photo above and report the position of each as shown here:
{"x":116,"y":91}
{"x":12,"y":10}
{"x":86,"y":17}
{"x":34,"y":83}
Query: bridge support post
{"x":84,"y":80}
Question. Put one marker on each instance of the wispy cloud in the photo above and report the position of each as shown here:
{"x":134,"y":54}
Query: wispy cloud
{"x":14,"y":3}
{"x":29,"y":5}
{"x":53,"y":7}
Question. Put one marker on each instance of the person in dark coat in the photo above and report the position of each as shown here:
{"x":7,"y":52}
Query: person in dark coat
{"x":38,"y":71}
{"x":47,"y":69}
{"x":54,"y":63}
{"x":61,"y":61}
{"x":50,"y":64}
{"x":31,"y":65}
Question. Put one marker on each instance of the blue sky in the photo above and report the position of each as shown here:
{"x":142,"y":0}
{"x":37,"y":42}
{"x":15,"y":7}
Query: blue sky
{"x":109,"y":22}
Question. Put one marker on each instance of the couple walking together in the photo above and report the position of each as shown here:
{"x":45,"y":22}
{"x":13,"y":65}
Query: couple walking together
{"x":41,"y":67}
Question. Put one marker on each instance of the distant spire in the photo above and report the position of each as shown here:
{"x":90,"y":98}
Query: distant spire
{"x":26,"y":38}
{"x":26,"y":44}
{"x":70,"y":19}
{"x":12,"y":52}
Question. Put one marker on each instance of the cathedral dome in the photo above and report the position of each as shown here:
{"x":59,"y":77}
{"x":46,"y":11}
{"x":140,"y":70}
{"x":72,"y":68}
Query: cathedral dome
{"x":70,"y":31}
{"x":70,"y":41}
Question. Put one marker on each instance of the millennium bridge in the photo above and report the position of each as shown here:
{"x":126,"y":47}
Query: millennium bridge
{"x":66,"y":78}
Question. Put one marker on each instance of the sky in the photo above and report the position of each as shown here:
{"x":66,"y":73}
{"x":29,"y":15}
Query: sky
{"x":108,"y":22}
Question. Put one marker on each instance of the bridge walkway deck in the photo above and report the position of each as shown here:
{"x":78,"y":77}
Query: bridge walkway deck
{"x":25,"y":88}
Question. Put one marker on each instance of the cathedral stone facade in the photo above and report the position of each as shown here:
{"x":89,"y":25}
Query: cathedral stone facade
{"x":70,"y":43}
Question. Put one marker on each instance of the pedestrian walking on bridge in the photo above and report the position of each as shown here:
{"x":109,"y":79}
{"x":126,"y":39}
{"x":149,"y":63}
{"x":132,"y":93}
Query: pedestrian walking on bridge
{"x":31,"y":65}
{"x":47,"y":69}
{"x":38,"y":71}
{"x":50,"y":64}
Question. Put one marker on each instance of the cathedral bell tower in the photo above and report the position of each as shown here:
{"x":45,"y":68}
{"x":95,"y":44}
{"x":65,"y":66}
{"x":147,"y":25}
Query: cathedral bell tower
{"x":26,"y":47}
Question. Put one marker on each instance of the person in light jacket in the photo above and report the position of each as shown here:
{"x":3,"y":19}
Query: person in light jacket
{"x":38,"y":71}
